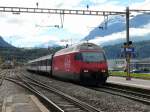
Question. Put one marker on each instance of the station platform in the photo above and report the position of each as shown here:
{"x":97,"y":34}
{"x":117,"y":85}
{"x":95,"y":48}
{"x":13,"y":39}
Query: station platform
{"x":23,"y":103}
{"x":134,"y":82}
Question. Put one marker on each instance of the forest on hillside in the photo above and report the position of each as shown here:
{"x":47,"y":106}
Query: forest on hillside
{"x":142,"y":50}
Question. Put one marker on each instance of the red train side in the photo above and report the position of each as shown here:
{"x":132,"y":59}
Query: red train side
{"x":85,"y":62}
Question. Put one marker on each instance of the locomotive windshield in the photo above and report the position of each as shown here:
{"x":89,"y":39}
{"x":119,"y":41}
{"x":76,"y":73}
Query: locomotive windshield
{"x":90,"y":56}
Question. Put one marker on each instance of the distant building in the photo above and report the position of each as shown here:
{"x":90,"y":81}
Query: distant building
{"x":116,"y":64}
{"x":120,"y":64}
{"x":143,"y":64}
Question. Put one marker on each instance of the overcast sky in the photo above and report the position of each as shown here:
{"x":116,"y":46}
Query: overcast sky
{"x":23,"y":30}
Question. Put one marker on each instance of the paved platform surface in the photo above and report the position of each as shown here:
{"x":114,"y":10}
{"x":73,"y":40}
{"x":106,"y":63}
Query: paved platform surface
{"x":23,"y":103}
{"x":133,"y":82}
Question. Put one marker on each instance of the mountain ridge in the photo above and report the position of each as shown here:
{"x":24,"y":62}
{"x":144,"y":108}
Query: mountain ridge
{"x":48,"y":44}
{"x":3,"y":43}
{"x":116,"y":24}
{"x":141,"y":50}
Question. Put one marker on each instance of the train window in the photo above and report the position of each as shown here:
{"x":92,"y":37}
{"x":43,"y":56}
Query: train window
{"x":43,"y":62}
{"x":33,"y":63}
{"x":39,"y":63}
{"x":78,"y":56}
{"x":36,"y":63}
{"x":93,"y":56}
{"x":48,"y":62}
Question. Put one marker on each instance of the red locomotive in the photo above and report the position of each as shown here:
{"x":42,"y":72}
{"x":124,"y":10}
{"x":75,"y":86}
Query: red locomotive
{"x":84,"y":62}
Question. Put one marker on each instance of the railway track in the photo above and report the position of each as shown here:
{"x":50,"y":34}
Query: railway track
{"x":68,"y":104}
{"x":140,"y":95}
{"x":61,"y":101}
{"x":51,"y":106}
{"x":136,"y":94}
{"x":2,"y":76}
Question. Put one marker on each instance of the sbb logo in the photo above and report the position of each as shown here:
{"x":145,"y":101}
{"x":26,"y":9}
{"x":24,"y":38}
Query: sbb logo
{"x":67,"y":63}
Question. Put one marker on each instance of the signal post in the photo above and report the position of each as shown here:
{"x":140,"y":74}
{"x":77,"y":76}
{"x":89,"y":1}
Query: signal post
{"x":127,"y":54}
{"x":128,"y":50}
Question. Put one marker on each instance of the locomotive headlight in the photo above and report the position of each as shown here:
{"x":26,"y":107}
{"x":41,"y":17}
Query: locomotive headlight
{"x":103,"y":71}
{"x":86,"y":71}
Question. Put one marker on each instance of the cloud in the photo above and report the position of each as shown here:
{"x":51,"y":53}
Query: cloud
{"x":41,"y":3}
{"x":25,"y":27}
{"x":139,"y":31}
{"x":141,"y":5}
{"x":134,"y":32}
{"x":30,"y":41}
{"x":81,"y":24}
{"x":109,"y":38}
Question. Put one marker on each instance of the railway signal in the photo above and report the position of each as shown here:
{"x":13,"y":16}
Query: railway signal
{"x":128,"y":50}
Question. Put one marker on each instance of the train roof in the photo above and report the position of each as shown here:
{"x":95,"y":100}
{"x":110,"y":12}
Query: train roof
{"x":79,"y":47}
{"x":41,"y":58}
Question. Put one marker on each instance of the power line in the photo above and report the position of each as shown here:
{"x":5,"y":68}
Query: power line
{"x":140,"y":11}
{"x":59,"y":11}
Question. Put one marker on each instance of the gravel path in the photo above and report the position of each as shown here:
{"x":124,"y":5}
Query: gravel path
{"x":101,"y":100}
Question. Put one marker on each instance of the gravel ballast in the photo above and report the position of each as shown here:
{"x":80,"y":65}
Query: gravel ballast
{"x":101,"y":100}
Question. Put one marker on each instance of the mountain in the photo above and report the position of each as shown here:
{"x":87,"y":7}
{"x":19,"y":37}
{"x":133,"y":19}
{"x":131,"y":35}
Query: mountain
{"x":25,"y":54}
{"x":48,"y":44}
{"x":4,"y":43}
{"x":116,"y":24}
{"x":121,"y":40}
{"x":141,"y":50}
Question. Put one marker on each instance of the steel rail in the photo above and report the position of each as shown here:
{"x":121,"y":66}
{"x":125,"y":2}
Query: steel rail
{"x":144,"y":98}
{"x":132,"y":92}
{"x":81,"y":104}
{"x":2,"y":77}
{"x":51,"y":105}
{"x":134,"y":95}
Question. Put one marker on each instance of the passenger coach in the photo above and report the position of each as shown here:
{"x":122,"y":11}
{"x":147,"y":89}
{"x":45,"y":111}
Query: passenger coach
{"x":42,"y":64}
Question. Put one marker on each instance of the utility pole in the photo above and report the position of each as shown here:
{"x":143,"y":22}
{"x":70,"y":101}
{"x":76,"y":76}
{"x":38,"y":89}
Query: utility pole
{"x":127,"y":37}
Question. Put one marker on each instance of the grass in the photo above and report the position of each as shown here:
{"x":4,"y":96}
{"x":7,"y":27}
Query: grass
{"x":134,"y":75}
